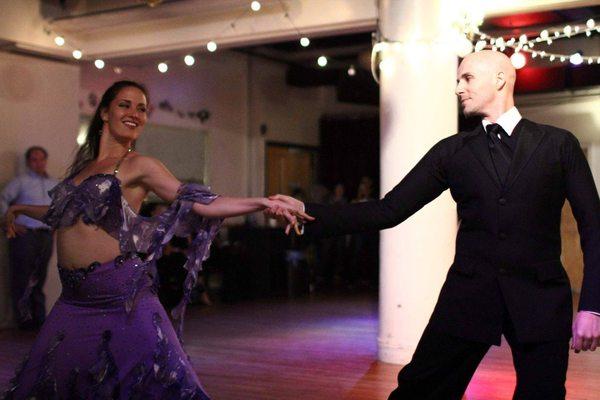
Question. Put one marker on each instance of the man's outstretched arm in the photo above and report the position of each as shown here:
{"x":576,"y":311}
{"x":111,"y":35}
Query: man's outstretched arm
{"x":425,"y":182}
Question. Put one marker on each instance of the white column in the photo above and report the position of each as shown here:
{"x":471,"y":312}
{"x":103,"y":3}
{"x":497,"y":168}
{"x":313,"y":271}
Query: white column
{"x":418,"y":108}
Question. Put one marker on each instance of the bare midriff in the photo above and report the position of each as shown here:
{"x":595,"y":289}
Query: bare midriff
{"x":79,"y":245}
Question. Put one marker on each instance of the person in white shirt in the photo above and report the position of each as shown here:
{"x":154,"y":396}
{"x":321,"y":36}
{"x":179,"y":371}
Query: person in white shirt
{"x":30,"y":251}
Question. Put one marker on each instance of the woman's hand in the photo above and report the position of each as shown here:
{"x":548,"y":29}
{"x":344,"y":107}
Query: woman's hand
{"x":288,"y":209}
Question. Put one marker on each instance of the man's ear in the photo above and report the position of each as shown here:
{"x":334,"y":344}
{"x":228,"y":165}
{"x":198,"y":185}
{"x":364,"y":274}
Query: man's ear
{"x":500,"y":80}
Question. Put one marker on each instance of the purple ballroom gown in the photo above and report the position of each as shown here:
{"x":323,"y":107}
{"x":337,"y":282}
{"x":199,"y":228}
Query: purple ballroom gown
{"x":108,"y":336}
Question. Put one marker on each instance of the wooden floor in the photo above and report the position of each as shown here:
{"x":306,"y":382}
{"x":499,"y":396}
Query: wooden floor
{"x":315,"y":349}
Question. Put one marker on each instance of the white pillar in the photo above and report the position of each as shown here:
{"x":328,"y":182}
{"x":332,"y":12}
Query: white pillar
{"x":418,"y":108}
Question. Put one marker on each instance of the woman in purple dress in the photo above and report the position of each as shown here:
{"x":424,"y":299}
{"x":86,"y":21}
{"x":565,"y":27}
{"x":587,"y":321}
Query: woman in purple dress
{"x":107,"y":336}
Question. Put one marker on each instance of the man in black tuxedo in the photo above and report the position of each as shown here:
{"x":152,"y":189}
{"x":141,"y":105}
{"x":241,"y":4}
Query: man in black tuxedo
{"x":510,"y":178}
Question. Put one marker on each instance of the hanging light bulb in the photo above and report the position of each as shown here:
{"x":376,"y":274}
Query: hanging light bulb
{"x":567,"y":30}
{"x":518,"y":60}
{"x":59,"y":40}
{"x":576,"y":59}
{"x":552,"y":57}
{"x":588,"y":33}
{"x":304,"y":42}
{"x":211,"y":46}
{"x":562,"y":58}
{"x":77,"y":54}
{"x":99,"y":64}
{"x":189,"y":60}
{"x":322,"y":61}
{"x":523,"y":38}
{"x":255,"y":6}
{"x":163,"y":67}
{"x":544,"y":34}
{"x":534,"y":54}
{"x":351,"y":70}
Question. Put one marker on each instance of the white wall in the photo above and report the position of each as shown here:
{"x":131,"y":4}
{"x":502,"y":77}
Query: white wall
{"x":38,"y":106}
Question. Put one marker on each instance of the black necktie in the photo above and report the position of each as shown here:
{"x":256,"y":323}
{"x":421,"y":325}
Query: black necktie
{"x":500,"y":150}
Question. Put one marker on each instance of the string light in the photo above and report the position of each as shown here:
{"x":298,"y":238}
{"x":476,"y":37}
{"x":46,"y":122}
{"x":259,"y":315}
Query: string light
{"x":322,"y":61}
{"x":590,"y":23}
{"x":211,"y":46}
{"x":480,"y":45}
{"x":525,"y":45}
{"x":163,"y":67}
{"x":518,"y":60}
{"x":189,"y":60}
{"x":351,"y":70}
{"x":576,"y":59}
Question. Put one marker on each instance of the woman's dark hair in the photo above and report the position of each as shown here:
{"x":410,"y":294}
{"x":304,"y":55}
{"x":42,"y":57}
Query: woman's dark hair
{"x":90,"y":148}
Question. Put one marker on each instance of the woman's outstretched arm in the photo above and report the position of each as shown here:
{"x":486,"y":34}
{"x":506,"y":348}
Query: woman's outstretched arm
{"x":157,"y":178}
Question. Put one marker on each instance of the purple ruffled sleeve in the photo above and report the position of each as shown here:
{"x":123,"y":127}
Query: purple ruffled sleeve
{"x":151,"y":235}
{"x":203,"y":231}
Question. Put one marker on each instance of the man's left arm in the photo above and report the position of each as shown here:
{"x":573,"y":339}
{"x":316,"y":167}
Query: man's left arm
{"x":583,"y":197}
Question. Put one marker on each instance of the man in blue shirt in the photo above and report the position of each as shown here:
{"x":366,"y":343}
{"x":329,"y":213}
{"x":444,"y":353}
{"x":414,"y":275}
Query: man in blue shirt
{"x":30,"y":251}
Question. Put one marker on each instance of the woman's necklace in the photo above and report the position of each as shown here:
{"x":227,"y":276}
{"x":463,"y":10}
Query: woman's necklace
{"x":129,"y":150}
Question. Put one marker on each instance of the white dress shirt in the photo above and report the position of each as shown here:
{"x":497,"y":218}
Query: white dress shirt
{"x":31,"y":189}
{"x":507,"y":121}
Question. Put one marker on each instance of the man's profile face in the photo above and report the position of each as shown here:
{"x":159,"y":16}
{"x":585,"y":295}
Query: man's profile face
{"x":475,"y":87}
{"x":37,"y":162}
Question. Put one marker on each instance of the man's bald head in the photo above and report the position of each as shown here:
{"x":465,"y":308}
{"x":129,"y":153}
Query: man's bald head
{"x":485,"y":83}
{"x":495,"y":62}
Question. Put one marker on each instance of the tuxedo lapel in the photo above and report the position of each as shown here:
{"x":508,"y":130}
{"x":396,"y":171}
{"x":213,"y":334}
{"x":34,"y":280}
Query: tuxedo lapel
{"x":529,"y":138}
{"x":479,"y":145}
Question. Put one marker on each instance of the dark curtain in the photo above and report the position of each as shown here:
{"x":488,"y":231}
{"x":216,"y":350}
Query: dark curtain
{"x":349,"y":150}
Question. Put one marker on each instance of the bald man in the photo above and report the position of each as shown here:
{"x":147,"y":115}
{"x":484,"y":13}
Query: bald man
{"x":509,"y":177}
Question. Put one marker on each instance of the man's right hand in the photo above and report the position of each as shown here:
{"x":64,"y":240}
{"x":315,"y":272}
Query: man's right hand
{"x":12,"y":229}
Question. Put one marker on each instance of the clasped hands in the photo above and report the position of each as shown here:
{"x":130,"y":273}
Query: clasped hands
{"x":289,"y":210}
{"x":8,"y":224}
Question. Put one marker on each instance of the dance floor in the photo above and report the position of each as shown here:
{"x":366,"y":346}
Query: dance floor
{"x":314,"y":349}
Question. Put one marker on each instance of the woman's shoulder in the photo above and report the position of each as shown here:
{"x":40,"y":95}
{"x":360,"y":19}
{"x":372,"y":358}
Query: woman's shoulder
{"x":142,"y":163}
